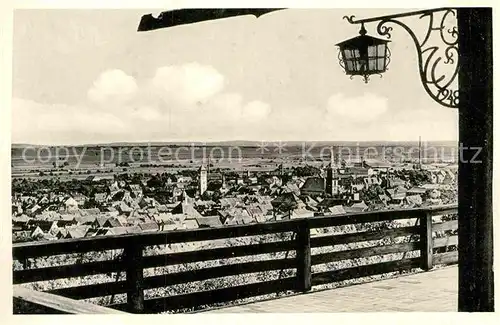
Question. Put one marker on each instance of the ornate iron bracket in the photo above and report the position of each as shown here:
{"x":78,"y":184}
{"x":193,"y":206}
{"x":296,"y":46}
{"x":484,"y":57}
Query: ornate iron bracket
{"x":442,"y":89}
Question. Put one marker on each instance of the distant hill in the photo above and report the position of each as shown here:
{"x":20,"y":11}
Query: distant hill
{"x":249,"y":143}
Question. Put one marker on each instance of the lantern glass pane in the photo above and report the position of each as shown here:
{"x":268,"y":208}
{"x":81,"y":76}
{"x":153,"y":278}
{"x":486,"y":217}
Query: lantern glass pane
{"x":372,"y":51}
{"x":348,"y":54}
{"x":372,"y":64}
{"x":381,"y":49}
{"x":356,"y":54}
{"x":350,"y":66}
{"x":381,"y":63}
{"x":361,"y":65}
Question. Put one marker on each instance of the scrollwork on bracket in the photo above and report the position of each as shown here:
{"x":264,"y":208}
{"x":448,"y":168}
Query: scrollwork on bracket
{"x":350,"y":19}
{"x":443,"y":88}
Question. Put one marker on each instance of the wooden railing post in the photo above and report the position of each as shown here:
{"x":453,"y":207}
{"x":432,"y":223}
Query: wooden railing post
{"x":135,"y":278}
{"x":303,"y":256}
{"x":426,"y":241}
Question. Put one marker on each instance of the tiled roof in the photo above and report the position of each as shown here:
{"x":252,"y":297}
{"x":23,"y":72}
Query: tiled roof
{"x":361,"y":205}
{"x":70,"y":201}
{"x":212,"y":221}
{"x":229,"y":202}
{"x":124,"y":230}
{"x":358,"y":171}
{"x":301,"y":213}
{"x":77,"y":232}
{"x":122,"y":219}
{"x":112,"y":222}
{"x":414,"y":199}
{"x":162,"y":208}
{"x":330,"y":202}
{"x":22,"y":218}
{"x":62,"y":233}
{"x":178,"y":217}
{"x":92,"y":211}
{"x":254,"y":211}
{"x":101,"y":221}
{"x":124,"y":207}
{"x":417,"y":190}
{"x":100,"y":196}
{"x":85,"y":219}
{"x":395,"y":182}
{"x":383,"y":197}
{"x":376,"y":163}
{"x":261,"y":218}
{"x":190,"y":211}
{"x":117,"y":231}
{"x":148,"y":226}
{"x":337,"y":209}
{"x":190,"y":224}
{"x":135,"y":187}
{"x":398,"y":195}
{"x":43,"y":224}
{"x":169,"y":227}
{"x":163,"y":217}
{"x":313,"y":184}
{"x":68,"y":217}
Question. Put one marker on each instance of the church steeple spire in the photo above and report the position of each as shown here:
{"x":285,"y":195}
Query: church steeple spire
{"x":331,"y":186}
{"x":203,"y":179}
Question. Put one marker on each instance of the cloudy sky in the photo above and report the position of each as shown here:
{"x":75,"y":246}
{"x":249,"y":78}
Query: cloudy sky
{"x":87,"y":76}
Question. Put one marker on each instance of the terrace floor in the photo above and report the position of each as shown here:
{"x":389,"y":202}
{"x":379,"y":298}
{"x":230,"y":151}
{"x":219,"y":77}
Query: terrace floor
{"x":433,"y":291}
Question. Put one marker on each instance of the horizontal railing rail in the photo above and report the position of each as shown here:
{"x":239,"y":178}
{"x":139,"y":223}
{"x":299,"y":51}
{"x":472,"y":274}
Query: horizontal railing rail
{"x":375,"y":243}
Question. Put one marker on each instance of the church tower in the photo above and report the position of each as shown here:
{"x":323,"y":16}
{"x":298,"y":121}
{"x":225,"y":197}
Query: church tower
{"x":203,"y":180}
{"x":223,"y":180}
{"x":332,"y":183}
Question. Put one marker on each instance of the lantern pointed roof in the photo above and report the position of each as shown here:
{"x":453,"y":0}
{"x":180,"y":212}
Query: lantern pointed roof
{"x":362,"y":40}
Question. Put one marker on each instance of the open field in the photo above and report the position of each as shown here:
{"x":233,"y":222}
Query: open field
{"x":106,"y":160}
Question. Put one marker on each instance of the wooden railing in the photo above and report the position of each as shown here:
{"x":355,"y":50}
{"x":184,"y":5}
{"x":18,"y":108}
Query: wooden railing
{"x":416,"y":239}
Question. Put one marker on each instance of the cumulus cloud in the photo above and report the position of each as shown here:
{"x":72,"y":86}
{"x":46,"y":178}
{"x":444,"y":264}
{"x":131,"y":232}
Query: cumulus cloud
{"x":147,"y":113}
{"x":364,"y":108}
{"x":188,"y":101}
{"x":256,"y":110}
{"x":113,"y":86}
{"x":187,"y":84}
{"x":431,"y":123}
{"x":37,"y":123}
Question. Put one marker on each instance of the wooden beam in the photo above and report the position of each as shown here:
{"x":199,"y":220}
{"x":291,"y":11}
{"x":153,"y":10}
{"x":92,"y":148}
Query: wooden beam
{"x":304,"y":256}
{"x":55,"y":304}
{"x":191,"y":16}
{"x":365,"y":270}
{"x":475,"y":215}
{"x":66,"y":271}
{"x":446,"y":258}
{"x":196,"y":300}
{"x":221,"y":271}
{"x":135,"y":279}
{"x":362,"y":236}
{"x":217,"y":253}
{"x":426,"y":244}
{"x":353,"y":254}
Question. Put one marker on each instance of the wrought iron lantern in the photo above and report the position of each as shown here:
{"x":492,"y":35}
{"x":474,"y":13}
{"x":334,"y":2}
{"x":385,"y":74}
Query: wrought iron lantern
{"x":364,"y":55}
